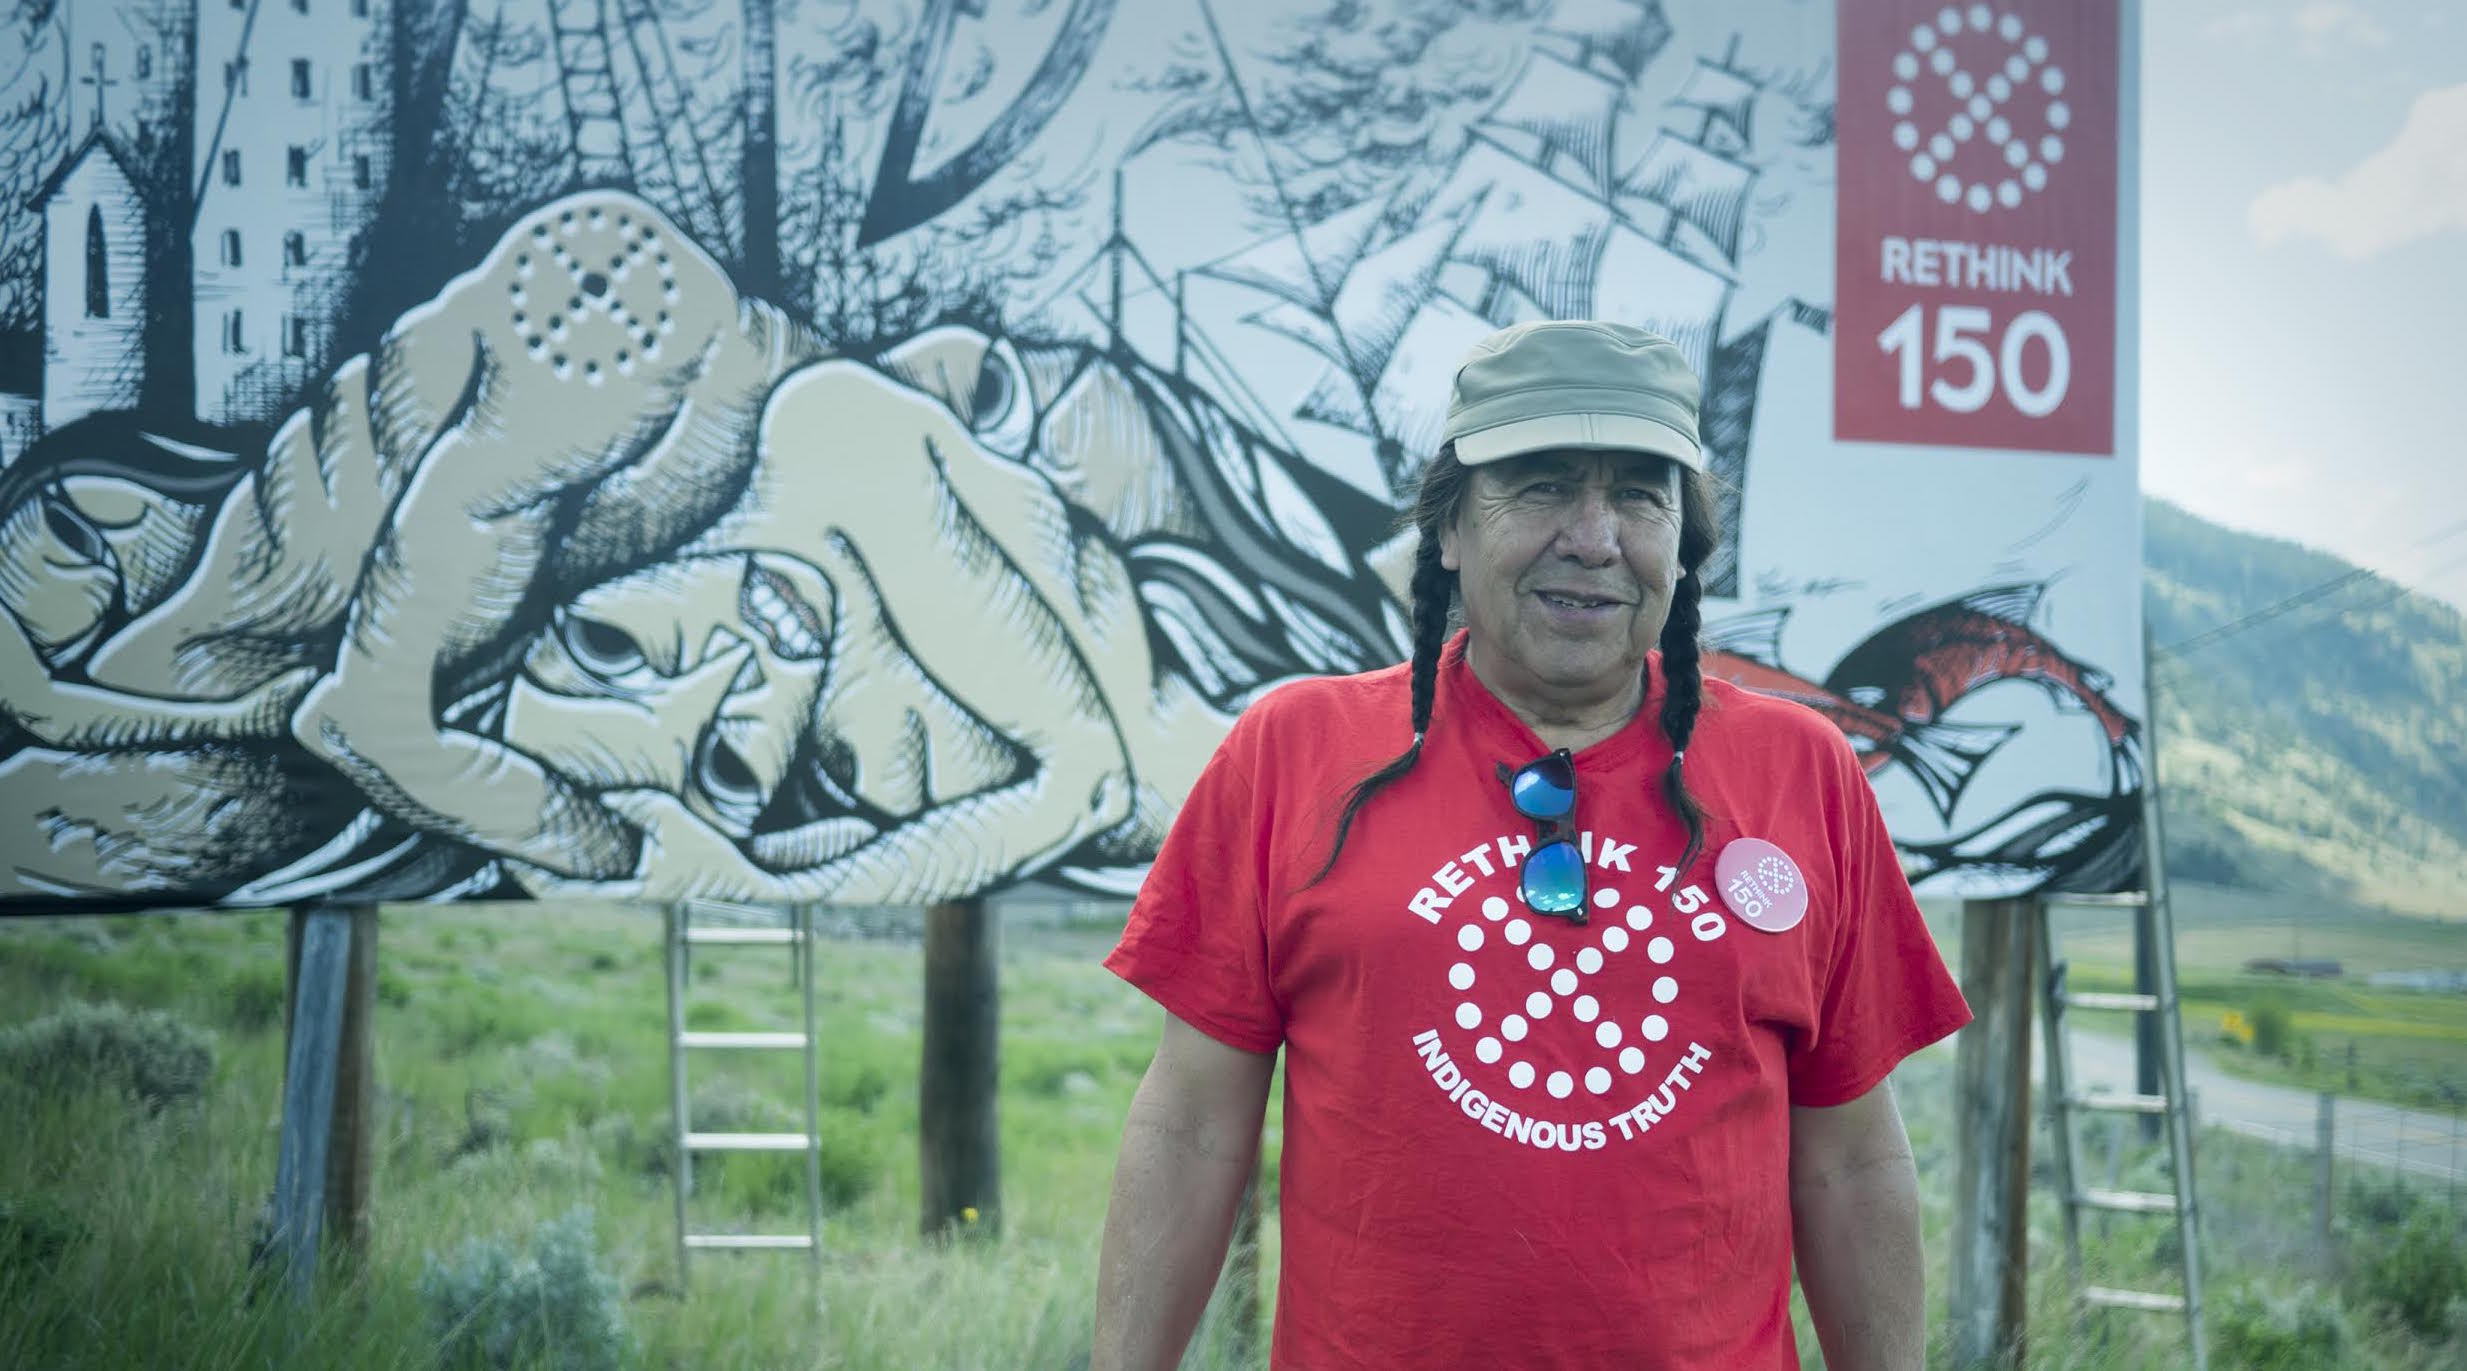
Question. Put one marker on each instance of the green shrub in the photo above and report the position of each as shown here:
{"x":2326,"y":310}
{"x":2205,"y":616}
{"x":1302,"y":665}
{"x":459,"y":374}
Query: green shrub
{"x":631,"y":1145}
{"x":392,"y":990}
{"x":2379,"y":1200}
{"x":2418,"y":1275}
{"x":488,"y":1122}
{"x":2257,"y":1330}
{"x":2274,"y":1033}
{"x":468,"y":1025}
{"x":748,"y":1182}
{"x":253,"y":997}
{"x":159,"y":1059}
{"x":722,"y":1105}
{"x":555,"y":1306}
{"x":865,"y":1090}
{"x":852,"y":1162}
{"x":34,"y":1232}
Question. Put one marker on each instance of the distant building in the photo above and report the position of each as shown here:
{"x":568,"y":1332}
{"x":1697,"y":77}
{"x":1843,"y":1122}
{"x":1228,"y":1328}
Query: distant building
{"x":2452,"y":982}
{"x":2307,"y":968}
{"x":291,"y":156}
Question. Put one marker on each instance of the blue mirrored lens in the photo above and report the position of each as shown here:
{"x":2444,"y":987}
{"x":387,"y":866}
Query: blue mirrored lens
{"x":1554,"y":879}
{"x":1544,"y":790}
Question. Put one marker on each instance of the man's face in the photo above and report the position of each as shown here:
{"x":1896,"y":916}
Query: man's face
{"x":696,"y":676}
{"x":1566,"y":561}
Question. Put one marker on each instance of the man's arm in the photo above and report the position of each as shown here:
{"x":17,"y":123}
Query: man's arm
{"x":1190,"y":1143}
{"x":1854,"y":1206}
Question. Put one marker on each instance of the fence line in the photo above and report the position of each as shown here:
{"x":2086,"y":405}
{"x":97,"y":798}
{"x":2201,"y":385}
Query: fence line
{"x":2428,"y":1150}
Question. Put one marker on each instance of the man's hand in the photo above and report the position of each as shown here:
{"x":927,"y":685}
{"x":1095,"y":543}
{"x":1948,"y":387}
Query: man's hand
{"x":1854,"y":1204}
{"x":1191,"y":1142}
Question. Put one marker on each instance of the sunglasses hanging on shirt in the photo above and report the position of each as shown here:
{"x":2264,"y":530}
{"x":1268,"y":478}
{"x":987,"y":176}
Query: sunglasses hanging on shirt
{"x":1552,"y":881}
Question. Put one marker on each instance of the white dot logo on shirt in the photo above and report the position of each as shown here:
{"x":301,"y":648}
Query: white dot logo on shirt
{"x":1572,"y":1043}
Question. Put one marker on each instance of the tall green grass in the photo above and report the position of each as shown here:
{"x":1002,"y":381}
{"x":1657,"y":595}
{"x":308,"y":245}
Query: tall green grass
{"x":522,"y":1071}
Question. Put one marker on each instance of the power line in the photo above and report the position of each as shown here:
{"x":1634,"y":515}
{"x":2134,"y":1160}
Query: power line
{"x":2440,"y":533}
{"x":2304,"y":597}
{"x":2260,"y":616}
{"x":2398,"y":590}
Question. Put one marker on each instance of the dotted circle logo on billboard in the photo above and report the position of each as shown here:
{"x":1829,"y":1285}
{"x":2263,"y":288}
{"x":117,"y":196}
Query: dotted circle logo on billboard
{"x":1978,"y":104}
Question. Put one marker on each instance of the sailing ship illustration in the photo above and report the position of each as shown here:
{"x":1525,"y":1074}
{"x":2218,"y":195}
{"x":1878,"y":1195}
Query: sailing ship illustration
{"x":1543,"y":214}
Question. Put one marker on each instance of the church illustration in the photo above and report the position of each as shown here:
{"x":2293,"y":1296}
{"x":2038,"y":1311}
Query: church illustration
{"x":222,"y":158}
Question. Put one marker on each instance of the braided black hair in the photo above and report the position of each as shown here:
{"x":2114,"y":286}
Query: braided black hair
{"x":1683,"y":684}
{"x":1437,"y":500}
{"x":1682,"y":693}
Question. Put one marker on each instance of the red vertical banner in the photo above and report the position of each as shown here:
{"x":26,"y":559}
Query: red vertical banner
{"x":1975,"y":233}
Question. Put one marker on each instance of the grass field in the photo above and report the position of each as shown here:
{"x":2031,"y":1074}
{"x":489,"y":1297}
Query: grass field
{"x":522,"y":1069}
{"x":2408,"y":1046}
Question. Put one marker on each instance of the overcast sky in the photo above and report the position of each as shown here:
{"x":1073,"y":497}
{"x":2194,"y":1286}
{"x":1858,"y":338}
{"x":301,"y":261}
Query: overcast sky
{"x":2304,"y":274}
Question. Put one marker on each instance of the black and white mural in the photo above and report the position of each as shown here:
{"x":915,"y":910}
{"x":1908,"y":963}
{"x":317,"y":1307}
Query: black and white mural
{"x":870,"y":450}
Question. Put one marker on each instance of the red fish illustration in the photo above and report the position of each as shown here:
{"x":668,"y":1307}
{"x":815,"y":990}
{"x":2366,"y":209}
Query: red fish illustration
{"x":1889,"y":694}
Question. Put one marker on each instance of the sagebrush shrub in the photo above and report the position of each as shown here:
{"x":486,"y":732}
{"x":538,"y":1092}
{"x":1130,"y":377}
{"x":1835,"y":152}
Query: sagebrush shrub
{"x":253,"y":999}
{"x":2274,"y":1033}
{"x":159,"y":1059}
{"x":2260,"y":1330}
{"x":34,"y":1231}
{"x":554,"y":1306}
{"x":2419,"y":1273}
{"x":2376,"y":1199}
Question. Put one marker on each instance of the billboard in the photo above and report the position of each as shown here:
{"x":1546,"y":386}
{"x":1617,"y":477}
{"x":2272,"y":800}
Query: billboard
{"x":871,"y":452}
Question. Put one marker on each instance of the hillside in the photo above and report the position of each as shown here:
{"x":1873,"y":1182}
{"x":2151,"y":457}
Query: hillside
{"x":2323,"y":748}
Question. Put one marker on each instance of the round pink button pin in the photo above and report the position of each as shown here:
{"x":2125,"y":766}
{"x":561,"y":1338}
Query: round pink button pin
{"x":1761,"y":884}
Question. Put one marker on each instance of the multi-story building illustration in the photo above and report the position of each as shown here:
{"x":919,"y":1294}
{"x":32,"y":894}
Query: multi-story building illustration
{"x":290,"y":159}
{"x":224,"y":157}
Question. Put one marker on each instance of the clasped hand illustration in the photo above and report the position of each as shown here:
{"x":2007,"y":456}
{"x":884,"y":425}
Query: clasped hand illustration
{"x":619,"y":582}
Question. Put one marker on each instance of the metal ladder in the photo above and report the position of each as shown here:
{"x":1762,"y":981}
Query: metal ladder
{"x":2065,"y":1103}
{"x":749,"y":927}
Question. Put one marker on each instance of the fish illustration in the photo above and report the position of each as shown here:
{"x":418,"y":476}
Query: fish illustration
{"x":1941,"y":756}
{"x":1889,"y":695}
{"x":1927,"y":660}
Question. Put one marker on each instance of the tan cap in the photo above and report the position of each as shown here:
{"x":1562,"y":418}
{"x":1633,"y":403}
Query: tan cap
{"x":1573,"y":383}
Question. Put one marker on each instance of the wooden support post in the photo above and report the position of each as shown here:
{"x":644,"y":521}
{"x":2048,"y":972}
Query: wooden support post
{"x":959,"y":1143}
{"x":323,"y":1164}
{"x":350,"y":1160}
{"x":1990,"y":1257}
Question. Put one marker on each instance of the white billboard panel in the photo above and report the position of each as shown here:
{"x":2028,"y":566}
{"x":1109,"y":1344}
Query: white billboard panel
{"x":871,"y":452}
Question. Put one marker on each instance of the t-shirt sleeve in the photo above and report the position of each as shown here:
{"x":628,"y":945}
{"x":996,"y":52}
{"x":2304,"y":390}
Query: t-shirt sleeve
{"x":1885,"y":992}
{"x":1197,"y":938}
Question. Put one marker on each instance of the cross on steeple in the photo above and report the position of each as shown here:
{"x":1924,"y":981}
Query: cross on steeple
{"x":101,"y":81}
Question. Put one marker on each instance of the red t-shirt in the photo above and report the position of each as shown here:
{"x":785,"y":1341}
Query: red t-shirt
{"x":1510,"y":1140}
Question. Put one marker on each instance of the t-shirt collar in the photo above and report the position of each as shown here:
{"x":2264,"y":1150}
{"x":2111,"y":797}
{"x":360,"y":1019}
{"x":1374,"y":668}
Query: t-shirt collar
{"x":1491,"y":726}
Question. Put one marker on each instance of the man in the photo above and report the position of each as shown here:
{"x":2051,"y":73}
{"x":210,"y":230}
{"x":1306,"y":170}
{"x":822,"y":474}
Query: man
{"x":1588,"y":972}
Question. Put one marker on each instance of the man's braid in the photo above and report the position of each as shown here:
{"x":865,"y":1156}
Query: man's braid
{"x":1682,"y":694}
{"x":1433,"y":591}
